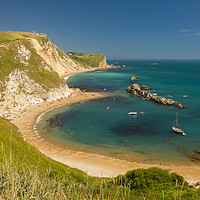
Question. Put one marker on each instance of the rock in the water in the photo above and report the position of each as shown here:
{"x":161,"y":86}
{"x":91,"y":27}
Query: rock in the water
{"x":145,"y":87}
{"x":135,"y":86}
{"x":133,"y":78}
{"x":136,"y":90}
{"x":180,"y":106}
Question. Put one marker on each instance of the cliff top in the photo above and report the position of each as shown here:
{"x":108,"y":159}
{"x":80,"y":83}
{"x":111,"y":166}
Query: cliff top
{"x":18,"y":53}
{"x":10,"y":36}
{"x":31,"y":67}
{"x":86,"y":60}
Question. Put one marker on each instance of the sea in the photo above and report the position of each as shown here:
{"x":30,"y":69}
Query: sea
{"x":103,"y":125}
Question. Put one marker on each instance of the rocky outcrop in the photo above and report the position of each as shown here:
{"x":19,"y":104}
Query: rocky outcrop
{"x":113,"y":66}
{"x":30,"y":71}
{"x":133,"y":78}
{"x":102,"y":63}
{"x":145,"y":87}
{"x":136,"y":90}
{"x":54,"y":57}
{"x":179,"y":105}
{"x":21,"y":91}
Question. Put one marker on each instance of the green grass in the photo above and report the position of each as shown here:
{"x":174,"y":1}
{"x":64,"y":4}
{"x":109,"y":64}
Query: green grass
{"x":26,"y":155}
{"x":152,"y":178}
{"x":156,"y":181}
{"x":86,"y":60}
{"x":11,"y":36}
{"x":60,"y":52}
{"x":40,"y":75}
{"x":25,"y":173}
{"x":9,"y":61}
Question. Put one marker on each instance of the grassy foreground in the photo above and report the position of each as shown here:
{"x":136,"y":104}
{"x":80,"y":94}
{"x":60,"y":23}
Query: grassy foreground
{"x":25,"y":173}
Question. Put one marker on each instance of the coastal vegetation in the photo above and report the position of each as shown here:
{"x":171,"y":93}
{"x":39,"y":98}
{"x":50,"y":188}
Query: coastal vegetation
{"x":29,"y":60}
{"x":12,"y":57}
{"x":86,"y":60}
{"x":26,"y":173}
{"x":31,"y":67}
{"x":11,"y":36}
{"x":35,"y":69}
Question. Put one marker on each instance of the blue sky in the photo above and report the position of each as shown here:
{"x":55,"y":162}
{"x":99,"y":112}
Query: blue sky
{"x":137,"y":29}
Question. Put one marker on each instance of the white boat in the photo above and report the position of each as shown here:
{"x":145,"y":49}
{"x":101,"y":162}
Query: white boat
{"x":132,"y":113}
{"x":177,"y":129}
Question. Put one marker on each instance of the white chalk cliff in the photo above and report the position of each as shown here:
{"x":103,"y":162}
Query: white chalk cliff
{"x":30,"y":70}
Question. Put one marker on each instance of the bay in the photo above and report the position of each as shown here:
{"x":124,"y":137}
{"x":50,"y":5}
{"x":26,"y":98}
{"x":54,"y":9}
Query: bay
{"x":147,"y":137}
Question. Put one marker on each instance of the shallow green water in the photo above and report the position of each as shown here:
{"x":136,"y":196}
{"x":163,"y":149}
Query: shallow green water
{"x":91,"y":126}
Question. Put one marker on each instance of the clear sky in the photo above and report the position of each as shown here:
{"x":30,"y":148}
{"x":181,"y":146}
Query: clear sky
{"x":129,"y":29}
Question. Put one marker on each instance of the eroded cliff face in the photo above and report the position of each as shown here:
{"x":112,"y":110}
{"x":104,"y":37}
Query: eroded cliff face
{"x":21,"y":91}
{"x":103,"y":63}
{"x":30,"y":70}
{"x":54,"y":57}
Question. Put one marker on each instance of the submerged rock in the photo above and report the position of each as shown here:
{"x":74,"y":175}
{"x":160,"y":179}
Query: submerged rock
{"x":194,"y":156}
{"x":136,"y":90}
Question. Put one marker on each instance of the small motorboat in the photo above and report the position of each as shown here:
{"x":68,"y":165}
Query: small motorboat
{"x":132,"y":113}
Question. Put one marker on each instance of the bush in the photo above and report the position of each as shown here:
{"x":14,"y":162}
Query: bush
{"x":152,"y":178}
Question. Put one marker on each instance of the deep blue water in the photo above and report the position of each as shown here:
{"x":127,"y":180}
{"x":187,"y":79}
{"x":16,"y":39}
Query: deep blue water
{"x":90,"y":125}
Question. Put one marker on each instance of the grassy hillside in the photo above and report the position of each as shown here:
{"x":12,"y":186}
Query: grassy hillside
{"x":35,"y":67}
{"x":86,"y":60}
{"x":21,"y":162}
{"x":25,"y":173}
{"x":11,"y":36}
{"x":21,"y":153}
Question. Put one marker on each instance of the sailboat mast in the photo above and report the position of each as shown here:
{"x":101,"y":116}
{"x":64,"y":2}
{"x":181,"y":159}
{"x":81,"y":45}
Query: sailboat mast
{"x":176,"y":118}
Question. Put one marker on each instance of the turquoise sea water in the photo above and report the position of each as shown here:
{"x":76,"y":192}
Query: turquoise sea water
{"x":146,"y":137}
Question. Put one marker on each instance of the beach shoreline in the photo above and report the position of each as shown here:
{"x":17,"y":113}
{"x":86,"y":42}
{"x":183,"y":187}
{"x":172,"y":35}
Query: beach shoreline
{"x":93,"y":164}
{"x":63,"y":76}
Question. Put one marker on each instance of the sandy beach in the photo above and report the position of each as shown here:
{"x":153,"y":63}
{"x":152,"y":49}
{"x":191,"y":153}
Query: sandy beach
{"x":92,"y":163}
{"x":63,"y":76}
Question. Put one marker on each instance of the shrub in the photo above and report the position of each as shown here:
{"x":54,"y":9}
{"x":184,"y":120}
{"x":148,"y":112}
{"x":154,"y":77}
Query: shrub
{"x":152,"y":178}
